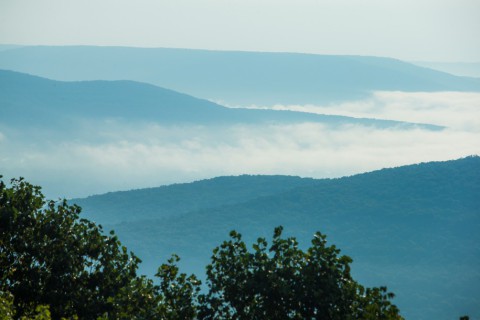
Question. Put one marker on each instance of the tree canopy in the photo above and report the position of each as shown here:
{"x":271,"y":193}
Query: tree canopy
{"x":54,"y":264}
{"x":281,"y":281}
{"x":48,"y":255}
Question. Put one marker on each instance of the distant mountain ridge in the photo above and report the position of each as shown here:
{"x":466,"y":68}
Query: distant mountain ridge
{"x":236,"y":78}
{"x":465,"y":69}
{"x":159,"y":202}
{"x":31,"y":101}
{"x":412,"y":228}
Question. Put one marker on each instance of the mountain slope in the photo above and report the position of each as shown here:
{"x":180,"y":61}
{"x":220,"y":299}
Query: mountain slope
{"x":30,"y":100}
{"x":466,"y":69}
{"x":178,"y":199}
{"x":238,"y":78}
{"x":411,"y":228}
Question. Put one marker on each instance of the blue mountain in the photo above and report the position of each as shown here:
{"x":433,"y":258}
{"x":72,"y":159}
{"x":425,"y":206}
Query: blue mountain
{"x":238,"y":78}
{"x":412,"y":228}
{"x":33,"y":101}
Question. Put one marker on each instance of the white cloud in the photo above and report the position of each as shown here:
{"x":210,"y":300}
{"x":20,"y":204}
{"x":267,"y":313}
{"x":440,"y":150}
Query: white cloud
{"x":119,"y":156}
{"x":456,"y":110}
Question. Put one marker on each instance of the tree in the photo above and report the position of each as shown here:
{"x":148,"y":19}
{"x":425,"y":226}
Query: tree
{"x":179,"y":293}
{"x":53,"y":263}
{"x":284,"y":282}
{"x":49,"y":256}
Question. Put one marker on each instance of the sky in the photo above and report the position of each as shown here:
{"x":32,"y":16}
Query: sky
{"x":412,"y":30}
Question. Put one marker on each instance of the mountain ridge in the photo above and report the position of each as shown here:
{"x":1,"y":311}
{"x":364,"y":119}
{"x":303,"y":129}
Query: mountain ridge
{"x":238,"y":78}
{"x":421,"y":217}
{"x":33,"y":99}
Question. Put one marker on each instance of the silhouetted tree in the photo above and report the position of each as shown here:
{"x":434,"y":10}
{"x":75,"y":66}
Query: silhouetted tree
{"x":284,"y":282}
{"x":50,"y":257}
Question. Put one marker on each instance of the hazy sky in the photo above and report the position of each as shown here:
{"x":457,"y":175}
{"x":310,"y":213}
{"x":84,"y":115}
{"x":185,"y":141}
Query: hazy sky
{"x":430,"y":30}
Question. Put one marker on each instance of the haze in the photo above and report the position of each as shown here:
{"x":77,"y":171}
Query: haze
{"x":411,"y":30}
{"x":137,"y":155}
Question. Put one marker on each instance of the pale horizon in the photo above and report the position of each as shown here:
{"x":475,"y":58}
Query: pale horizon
{"x":408,"y":31}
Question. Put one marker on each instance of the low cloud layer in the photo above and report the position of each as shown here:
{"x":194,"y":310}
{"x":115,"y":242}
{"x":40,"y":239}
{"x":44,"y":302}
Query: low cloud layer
{"x":456,"y":110}
{"x":120,"y":157}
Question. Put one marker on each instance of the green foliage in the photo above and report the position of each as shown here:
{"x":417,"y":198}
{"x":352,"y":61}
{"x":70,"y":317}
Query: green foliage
{"x":6,"y":305}
{"x":7,"y":309}
{"x":374,"y":304}
{"x":284,"y":282}
{"x":49,"y":256}
{"x":179,"y":292}
{"x":55,"y":265}
{"x":41,"y":313}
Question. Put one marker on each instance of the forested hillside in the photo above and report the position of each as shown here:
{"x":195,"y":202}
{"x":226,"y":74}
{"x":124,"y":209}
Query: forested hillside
{"x":178,"y":199}
{"x":412,"y":228}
